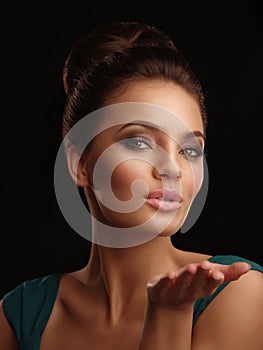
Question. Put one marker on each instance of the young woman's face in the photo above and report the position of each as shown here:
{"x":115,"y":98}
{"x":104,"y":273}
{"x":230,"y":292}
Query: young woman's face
{"x":170,"y":169}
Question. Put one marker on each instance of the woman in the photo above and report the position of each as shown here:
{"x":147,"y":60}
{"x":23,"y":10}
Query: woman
{"x":134,"y":136}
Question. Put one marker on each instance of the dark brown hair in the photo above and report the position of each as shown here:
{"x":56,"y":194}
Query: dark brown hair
{"x":115,"y":54}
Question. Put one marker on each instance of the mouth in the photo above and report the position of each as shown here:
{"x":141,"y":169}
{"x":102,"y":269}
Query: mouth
{"x":165,"y":200}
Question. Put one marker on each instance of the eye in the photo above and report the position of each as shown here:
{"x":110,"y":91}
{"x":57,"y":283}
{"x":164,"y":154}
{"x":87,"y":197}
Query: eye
{"x":137,"y":143}
{"x":192,"y":152}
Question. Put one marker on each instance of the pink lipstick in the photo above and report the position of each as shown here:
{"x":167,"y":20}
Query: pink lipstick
{"x":166,"y":200}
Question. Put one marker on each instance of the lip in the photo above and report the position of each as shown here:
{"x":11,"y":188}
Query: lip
{"x":166,"y":200}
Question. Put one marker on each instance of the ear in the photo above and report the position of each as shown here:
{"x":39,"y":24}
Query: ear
{"x":76,"y":166}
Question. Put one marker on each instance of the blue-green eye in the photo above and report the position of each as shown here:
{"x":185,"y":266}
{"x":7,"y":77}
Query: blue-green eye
{"x":192,"y":152}
{"x":137,"y":143}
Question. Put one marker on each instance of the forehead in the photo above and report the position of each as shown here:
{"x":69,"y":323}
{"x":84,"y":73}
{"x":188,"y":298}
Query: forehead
{"x":167,"y":97}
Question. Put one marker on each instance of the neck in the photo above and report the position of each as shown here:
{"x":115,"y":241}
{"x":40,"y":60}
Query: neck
{"x":123,"y":273}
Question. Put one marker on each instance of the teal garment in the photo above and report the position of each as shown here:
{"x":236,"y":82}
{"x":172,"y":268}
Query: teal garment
{"x":201,"y":304}
{"x":29,"y":305}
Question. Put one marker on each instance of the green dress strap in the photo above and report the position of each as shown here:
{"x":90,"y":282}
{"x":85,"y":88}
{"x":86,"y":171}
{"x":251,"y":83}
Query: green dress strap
{"x":201,"y":304}
{"x":28,"y":307}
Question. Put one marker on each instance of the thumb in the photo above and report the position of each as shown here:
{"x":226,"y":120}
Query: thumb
{"x":236,"y":270}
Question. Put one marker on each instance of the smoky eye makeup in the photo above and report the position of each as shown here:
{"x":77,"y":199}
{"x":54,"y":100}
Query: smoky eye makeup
{"x":135,"y":136}
{"x":192,"y":151}
{"x":137,"y":143}
{"x":138,"y":137}
{"x":192,"y":147}
{"x":139,"y":128}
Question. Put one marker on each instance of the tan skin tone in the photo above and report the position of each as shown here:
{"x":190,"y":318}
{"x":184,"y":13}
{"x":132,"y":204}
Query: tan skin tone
{"x":142,"y":297}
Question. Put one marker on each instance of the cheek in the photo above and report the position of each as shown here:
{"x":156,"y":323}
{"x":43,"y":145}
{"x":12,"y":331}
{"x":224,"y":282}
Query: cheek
{"x":125,"y":174}
{"x":192,"y":179}
{"x":198,"y":172}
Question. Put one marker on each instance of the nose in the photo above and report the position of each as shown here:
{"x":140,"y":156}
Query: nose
{"x":167,"y":174}
{"x":167,"y":166}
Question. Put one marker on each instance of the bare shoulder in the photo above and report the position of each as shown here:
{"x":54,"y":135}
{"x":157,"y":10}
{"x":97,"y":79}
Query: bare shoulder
{"x":234,"y":319}
{"x":7,"y":334}
{"x":77,"y":276}
{"x":248,"y":288}
{"x":75,"y":293}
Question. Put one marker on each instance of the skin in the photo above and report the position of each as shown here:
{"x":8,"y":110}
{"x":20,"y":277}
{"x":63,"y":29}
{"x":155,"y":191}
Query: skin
{"x":126,"y":172}
{"x":142,"y":297}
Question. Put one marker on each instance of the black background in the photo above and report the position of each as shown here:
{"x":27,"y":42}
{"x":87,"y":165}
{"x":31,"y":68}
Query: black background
{"x":222,"y":40}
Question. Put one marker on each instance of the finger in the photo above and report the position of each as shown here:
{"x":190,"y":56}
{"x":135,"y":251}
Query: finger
{"x":154,"y":280}
{"x":215,"y":278}
{"x":183,"y":278}
{"x":206,"y":279}
{"x":194,"y":274}
{"x":193,"y":278}
{"x":236,"y":270}
{"x":161,"y":279}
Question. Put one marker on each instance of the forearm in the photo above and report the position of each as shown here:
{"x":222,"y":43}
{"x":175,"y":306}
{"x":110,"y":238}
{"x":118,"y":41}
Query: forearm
{"x":166,"y":328}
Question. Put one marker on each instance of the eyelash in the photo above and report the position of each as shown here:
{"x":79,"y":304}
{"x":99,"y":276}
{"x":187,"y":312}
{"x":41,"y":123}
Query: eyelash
{"x":131,"y":144}
{"x":197,"y":150}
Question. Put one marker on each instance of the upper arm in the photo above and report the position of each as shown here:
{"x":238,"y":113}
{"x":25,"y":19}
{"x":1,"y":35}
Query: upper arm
{"x":234,"y":319}
{"x":8,"y":339}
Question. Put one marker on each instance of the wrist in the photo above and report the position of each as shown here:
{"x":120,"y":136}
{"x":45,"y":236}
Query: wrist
{"x":166,"y":308}
{"x":167,"y":316}
{"x":167,"y":327}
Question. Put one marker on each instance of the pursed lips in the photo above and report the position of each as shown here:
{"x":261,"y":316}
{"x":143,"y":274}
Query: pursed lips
{"x":165,"y":200}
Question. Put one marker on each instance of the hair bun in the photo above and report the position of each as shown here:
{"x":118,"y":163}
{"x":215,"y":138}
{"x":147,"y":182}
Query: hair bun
{"x":106,"y":41}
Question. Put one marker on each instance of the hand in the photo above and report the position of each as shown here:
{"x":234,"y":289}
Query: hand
{"x":180,"y":289}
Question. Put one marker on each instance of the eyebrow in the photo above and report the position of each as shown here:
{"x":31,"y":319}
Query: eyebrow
{"x":150,"y":125}
{"x":196,"y":133}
